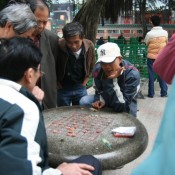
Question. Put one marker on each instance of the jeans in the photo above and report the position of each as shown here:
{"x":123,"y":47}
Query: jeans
{"x":87,"y":100}
{"x":90,"y":160}
{"x":162,"y":83}
{"x":70,"y":95}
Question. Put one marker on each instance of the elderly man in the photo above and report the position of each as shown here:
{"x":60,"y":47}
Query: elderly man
{"x":48,"y":44}
{"x":116,"y":82}
{"x":19,"y":20}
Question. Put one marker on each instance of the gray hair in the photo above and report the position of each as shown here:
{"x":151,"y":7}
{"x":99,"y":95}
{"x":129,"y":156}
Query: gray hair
{"x":72,"y":29}
{"x":20,"y":16}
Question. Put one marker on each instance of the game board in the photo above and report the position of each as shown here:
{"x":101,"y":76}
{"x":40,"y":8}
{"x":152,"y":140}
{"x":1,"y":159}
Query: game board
{"x":73,"y":131}
{"x":79,"y":124}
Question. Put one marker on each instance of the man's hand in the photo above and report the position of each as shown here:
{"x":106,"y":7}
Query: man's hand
{"x":98,"y":104}
{"x":75,"y":169}
{"x":116,"y":74}
{"x":38,"y":93}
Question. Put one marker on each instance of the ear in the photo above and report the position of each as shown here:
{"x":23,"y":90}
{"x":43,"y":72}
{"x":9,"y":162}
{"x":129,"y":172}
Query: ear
{"x":120,"y":59}
{"x":28,"y":76}
{"x":83,"y":37}
{"x":8,"y":26}
{"x":8,"y":30}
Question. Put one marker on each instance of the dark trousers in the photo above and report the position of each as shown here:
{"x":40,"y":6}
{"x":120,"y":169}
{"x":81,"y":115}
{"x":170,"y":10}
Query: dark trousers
{"x":90,"y":160}
{"x":162,"y":83}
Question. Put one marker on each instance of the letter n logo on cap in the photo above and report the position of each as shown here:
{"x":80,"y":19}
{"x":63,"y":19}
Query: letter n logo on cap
{"x":102,"y":52}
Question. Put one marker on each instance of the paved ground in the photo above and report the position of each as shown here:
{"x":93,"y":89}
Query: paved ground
{"x":150,"y":114}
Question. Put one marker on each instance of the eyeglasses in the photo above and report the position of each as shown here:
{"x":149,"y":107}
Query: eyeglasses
{"x":37,"y":69}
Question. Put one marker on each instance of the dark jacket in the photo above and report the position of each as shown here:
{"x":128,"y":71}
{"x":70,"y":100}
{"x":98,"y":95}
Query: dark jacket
{"x":63,"y":58}
{"x":49,"y":49}
{"x":23,"y":143}
{"x":118,"y":93}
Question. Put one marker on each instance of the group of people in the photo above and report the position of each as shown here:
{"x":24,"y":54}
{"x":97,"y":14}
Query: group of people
{"x":67,"y":63}
{"x":27,"y":51}
{"x":40,"y":71}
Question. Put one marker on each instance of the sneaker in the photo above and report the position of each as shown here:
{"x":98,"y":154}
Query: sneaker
{"x":119,"y":167}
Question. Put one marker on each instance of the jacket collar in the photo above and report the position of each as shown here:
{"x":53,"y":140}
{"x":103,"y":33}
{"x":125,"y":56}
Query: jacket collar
{"x":62,"y":44}
{"x":21,"y":90}
{"x":156,"y":28}
{"x":10,"y":83}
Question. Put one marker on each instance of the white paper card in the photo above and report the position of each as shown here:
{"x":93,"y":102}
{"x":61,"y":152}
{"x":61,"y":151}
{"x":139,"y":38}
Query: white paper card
{"x":130,"y":130}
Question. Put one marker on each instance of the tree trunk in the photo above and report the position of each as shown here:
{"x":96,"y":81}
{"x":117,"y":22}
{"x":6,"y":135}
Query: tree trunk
{"x":88,"y":16}
{"x":142,"y":6}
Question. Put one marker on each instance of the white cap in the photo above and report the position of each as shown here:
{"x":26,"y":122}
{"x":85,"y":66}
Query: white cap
{"x":108,"y":52}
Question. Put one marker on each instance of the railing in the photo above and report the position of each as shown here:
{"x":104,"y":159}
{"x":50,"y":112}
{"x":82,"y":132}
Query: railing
{"x":133,"y":26}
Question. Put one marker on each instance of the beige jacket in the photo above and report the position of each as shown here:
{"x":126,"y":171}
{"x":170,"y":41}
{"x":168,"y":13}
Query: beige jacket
{"x":156,"y":40}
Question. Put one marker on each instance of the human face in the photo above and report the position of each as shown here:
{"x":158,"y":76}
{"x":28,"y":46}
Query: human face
{"x":42,"y":15}
{"x":8,"y":32}
{"x":113,"y":69}
{"x":74,"y":43}
{"x":28,"y":34}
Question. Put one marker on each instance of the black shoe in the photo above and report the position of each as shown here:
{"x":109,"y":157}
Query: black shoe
{"x":164,"y":95}
{"x":119,"y":167}
{"x":150,"y":96}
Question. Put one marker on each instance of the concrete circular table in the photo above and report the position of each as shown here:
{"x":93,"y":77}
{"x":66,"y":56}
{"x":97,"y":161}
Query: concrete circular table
{"x":74,"y":131}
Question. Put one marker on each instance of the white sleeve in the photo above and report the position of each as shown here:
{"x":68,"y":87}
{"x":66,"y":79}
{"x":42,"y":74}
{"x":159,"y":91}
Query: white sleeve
{"x":102,"y":99}
{"x":52,"y":171}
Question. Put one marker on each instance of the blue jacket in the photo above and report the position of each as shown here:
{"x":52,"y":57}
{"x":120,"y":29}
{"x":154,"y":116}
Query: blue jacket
{"x":23,"y":143}
{"x":161,"y":159}
{"x":118,"y":93}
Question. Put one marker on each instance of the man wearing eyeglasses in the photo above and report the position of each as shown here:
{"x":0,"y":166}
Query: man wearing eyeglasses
{"x":47,"y":41}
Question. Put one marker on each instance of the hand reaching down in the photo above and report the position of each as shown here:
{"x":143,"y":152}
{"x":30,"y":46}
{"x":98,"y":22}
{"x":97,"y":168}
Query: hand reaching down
{"x":98,"y":104}
{"x":75,"y":169}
